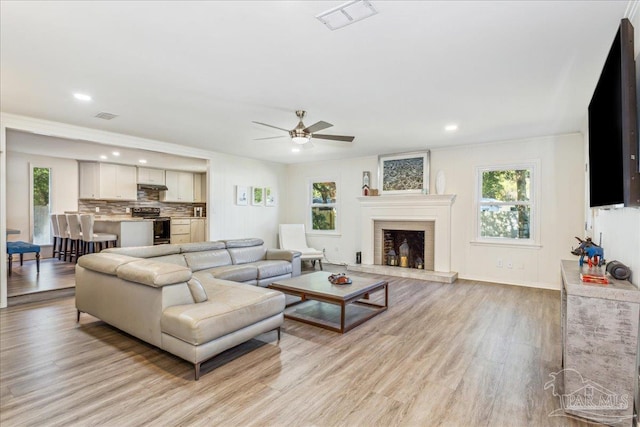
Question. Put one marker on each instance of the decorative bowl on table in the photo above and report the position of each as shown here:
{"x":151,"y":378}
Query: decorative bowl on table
{"x":339,"y":279}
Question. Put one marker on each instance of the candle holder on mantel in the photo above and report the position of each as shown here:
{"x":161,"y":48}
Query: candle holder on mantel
{"x":404,"y":254}
{"x":419,"y":263}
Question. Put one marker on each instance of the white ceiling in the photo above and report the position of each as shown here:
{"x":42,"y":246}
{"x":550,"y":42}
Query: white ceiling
{"x":197,"y":73}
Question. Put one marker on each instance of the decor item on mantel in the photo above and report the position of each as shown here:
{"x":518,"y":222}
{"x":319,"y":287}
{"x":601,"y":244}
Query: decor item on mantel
{"x":365,"y":182}
{"x":392,"y":258}
{"x":440,"y":182}
{"x":404,"y":173}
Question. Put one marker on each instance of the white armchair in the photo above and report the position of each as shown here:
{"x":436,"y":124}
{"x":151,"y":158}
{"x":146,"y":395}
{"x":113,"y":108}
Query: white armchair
{"x":293,"y":238}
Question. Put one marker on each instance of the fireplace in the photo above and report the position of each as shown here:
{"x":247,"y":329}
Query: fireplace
{"x":391,"y":234}
{"x":429,"y":215}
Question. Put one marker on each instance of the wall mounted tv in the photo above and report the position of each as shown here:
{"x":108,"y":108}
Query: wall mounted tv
{"x":614,"y":177}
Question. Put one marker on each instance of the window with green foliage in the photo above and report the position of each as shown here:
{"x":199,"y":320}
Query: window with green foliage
{"x":505,"y":203}
{"x":324,"y":212}
{"x":41,"y":205}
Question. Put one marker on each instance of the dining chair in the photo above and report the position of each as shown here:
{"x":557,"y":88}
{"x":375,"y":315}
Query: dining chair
{"x":56,"y":235}
{"x":75,"y":237}
{"x":90,"y":238}
{"x":63,"y":229}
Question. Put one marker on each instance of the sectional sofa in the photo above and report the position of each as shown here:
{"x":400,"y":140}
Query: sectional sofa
{"x":193,"y":300}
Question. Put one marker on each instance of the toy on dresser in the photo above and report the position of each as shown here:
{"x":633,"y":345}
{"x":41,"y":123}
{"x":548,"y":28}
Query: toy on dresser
{"x":593,"y":252}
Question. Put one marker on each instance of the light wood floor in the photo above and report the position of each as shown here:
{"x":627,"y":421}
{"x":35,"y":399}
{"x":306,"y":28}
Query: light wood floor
{"x":54,"y":274}
{"x":465,"y":354}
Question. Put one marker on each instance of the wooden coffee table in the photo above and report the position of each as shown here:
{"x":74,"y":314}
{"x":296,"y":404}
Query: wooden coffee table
{"x":320,"y":300}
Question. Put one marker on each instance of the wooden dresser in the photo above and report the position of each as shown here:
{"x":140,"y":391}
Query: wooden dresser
{"x":599,"y":347}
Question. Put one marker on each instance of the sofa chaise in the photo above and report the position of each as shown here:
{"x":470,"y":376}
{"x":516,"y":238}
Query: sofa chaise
{"x":193,"y":300}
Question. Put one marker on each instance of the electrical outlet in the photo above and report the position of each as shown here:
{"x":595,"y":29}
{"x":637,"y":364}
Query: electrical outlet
{"x":97,"y":209}
{"x":127,"y":210}
{"x":509,"y":264}
{"x":499,"y":263}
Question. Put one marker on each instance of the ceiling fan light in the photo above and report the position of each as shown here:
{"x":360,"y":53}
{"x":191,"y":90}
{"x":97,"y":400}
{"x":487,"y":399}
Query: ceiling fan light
{"x":300,"y":140}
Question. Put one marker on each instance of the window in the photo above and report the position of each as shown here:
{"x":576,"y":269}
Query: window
{"x":41,"y":203}
{"x":506,"y":207}
{"x":324,"y":211}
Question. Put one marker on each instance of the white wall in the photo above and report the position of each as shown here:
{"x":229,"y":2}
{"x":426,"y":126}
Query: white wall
{"x":339,"y":247}
{"x":561,"y":206}
{"x":232,"y":221}
{"x":64,"y":189}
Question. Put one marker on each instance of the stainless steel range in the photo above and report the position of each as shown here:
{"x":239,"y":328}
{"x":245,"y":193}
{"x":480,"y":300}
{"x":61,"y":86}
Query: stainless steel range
{"x":161,"y":225}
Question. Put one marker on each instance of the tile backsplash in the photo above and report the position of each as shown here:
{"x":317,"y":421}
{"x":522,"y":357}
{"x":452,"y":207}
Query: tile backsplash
{"x":146,"y":198}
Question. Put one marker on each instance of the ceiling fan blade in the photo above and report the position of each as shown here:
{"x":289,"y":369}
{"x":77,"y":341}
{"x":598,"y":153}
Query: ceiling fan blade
{"x":334,"y":137}
{"x":271,"y":126}
{"x":271,"y":137}
{"x":317,"y":126}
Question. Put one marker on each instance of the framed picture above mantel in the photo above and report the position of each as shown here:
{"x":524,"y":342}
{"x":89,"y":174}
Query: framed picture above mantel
{"x":404,"y":173}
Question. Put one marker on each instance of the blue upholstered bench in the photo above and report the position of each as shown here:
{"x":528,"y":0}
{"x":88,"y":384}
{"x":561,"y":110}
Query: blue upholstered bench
{"x":22,"y":248}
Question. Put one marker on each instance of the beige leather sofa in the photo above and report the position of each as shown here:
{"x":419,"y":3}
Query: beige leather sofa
{"x":181,"y":298}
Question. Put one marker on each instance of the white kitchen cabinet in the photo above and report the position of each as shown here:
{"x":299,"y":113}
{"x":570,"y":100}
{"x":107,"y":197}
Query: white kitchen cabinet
{"x":200,"y":187}
{"x":89,"y":180}
{"x":179,"y":187}
{"x":198,"y":230}
{"x":150,"y":176}
{"x":180,"y":230}
{"x":106,"y":181}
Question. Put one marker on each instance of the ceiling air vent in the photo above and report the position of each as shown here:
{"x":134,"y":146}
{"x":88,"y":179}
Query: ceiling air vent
{"x":106,"y":116}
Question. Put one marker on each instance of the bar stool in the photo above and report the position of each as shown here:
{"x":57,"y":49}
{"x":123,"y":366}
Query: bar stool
{"x":90,"y":238}
{"x":63,"y":229}
{"x":75,"y":236}
{"x":56,"y":235}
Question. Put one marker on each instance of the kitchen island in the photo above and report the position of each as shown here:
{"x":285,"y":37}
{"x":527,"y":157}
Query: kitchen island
{"x":130,"y":231}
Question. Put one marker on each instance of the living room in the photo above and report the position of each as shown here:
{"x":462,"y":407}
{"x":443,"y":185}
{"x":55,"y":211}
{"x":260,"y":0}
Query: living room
{"x":556,"y":151}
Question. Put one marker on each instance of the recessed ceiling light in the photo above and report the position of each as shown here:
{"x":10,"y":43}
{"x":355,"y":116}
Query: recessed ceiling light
{"x":116,"y":153}
{"x":103,"y":157}
{"x":295,"y":150}
{"x":82,"y":97}
{"x":142,"y":161}
{"x":450,"y":128}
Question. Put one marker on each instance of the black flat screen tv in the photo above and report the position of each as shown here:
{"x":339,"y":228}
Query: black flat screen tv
{"x":614,"y":177}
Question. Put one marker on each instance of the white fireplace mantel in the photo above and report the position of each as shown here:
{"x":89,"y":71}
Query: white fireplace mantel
{"x":415,"y":207}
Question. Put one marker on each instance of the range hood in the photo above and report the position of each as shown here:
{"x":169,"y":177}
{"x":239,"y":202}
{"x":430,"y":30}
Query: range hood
{"x":158,"y":187}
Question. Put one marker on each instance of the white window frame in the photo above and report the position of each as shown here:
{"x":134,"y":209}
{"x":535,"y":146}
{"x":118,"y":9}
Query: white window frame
{"x":310,"y":205}
{"x":33,"y":166}
{"x":534,"y":202}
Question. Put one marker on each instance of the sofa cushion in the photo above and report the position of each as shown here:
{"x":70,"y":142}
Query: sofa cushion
{"x":231,"y":306}
{"x":197,"y":290}
{"x":207,"y":259}
{"x":248,"y":254}
{"x":272,"y":268}
{"x":106,"y":263}
{"x":201,"y":246}
{"x":145,"y":251}
{"x":235,"y":273}
{"x":243,"y":243}
{"x":153,"y":273}
{"x":177,"y":259}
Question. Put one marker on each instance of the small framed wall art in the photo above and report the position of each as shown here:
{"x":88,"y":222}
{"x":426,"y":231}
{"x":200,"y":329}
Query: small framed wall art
{"x":258,"y":196}
{"x":242,"y":195}
{"x":269,"y":197}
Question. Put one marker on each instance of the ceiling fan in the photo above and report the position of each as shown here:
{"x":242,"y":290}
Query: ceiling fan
{"x":301,"y":134}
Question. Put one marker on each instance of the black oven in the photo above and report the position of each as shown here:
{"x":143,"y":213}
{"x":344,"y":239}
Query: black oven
{"x":161,"y":225}
{"x":161,"y":231}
